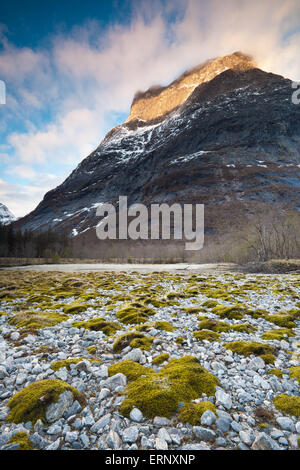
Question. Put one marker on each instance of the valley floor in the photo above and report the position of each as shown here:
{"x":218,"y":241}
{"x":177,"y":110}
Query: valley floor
{"x":149,"y":360}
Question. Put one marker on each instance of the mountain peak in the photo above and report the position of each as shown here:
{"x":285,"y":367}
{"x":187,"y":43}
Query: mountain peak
{"x":158,"y":101}
{"x":5,"y":215}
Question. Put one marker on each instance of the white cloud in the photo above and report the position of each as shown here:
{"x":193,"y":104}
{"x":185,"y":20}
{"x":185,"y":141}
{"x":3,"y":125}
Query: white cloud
{"x":86,"y":76}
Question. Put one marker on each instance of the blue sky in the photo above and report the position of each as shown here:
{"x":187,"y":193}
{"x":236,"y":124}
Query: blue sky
{"x":71,"y":69}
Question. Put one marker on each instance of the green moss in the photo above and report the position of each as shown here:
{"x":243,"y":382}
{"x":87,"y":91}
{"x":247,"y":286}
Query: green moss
{"x":222,"y":327}
{"x":125,"y":339}
{"x":191,"y":412}
{"x":179,"y":340}
{"x":75,"y":308}
{"x":288,"y":404}
{"x":277,"y":334}
{"x":56,"y":365}
{"x":276,"y":372}
{"x":246,"y":348}
{"x":181,"y":380}
{"x":210,"y":303}
{"x":142,"y":343}
{"x":207,"y":335}
{"x":158,"y":325}
{"x":92,"y":349}
{"x":295,"y":373}
{"x":131,"y":369}
{"x":30,"y":404}
{"x":36,"y":320}
{"x":134,"y":313}
{"x":99,"y":324}
{"x":269,"y":358}
{"x":259,"y":313}
{"x":233,"y":313}
{"x":22,"y":439}
{"x":193,"y":310}
{"x":157,"y":360}
{"x":283,"y":319}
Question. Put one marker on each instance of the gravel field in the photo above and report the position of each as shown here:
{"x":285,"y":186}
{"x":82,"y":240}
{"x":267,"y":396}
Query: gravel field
{"x":149,"y":360}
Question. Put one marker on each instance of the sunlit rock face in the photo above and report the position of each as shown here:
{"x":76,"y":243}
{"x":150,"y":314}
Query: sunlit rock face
{"x":158,"y":101}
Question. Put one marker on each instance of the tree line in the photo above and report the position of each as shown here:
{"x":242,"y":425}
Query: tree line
{"x":29,"y":244}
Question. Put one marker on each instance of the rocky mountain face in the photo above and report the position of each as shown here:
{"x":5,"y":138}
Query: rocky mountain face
{"x":6,"y":217}
{"x":225,"y":134}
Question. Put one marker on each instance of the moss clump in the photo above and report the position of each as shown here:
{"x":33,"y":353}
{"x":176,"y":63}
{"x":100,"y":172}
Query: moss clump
{"x":283,"y":319}
{"x":92,"y":349}
{"x":288,"y":404}
{"x":179,"y":340}
{"x":56,"y":365}
{"x":30,"y":404}
{"x":131,"y":369}
{"x":269,"y":358}
{"x":31,"y":320}
{"x":277,"y":334}
{"x":158,"y":325}
{"x":193,"y":310}
{"x":210,"y":303}
{"x":134,"y":313}
{"x":22,"y":439}
{"x":157,"y":360}
{"x":259,"y":313}
{"x":276,"y":372}
{"x":233,"y":313}
{"x":213,"y":325}
{"x":99,"y":324}
{"x":75,"y":308}
{"x":246,"y":348}
{"x":125,"y":340}
{"x":191,"y":412}
{"x":222,"y":327}
{"x":207,"y":335}
{"x":295,"y":373}
{"x":142,"y":343}
{"x":181,"y":380}
{"x":243,"y":328}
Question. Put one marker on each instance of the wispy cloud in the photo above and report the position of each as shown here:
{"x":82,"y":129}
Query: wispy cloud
{"x":61,"y":100}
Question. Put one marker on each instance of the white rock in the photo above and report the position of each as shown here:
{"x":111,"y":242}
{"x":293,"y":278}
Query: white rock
{"x":224,"y":399}
{"x":136,"y":415}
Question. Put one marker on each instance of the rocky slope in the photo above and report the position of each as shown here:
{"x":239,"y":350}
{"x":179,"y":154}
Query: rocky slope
{"x":6,"y":217}
{"x":232,"y":139}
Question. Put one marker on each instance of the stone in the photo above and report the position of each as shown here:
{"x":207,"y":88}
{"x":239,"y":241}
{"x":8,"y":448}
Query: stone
{"x":136,"y":415}
{"x":247,"y":437}
{"x":130,"y":434}
{"x":104,"y":393}
{"x":134,"y":355}
{"x":223,"y":424}
{"x":256,"y":363}
{"x":223,"y":399}
{"x":160,"y":444}
{"x":113,"y":440}
{"x":264,"y":442}
{"x":54,"y":446}
{"x":208,"y":418}
{"x":56,"y":410}
{"x":101,"y":423}
{"x":71,"y":436}
{"x":286,"y":423}
{"x":161,"y":421}
{"x":61,"y":374}
{"x":116,"y":380}
{"x":164,"y":435}
{"x":203,"y":434}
